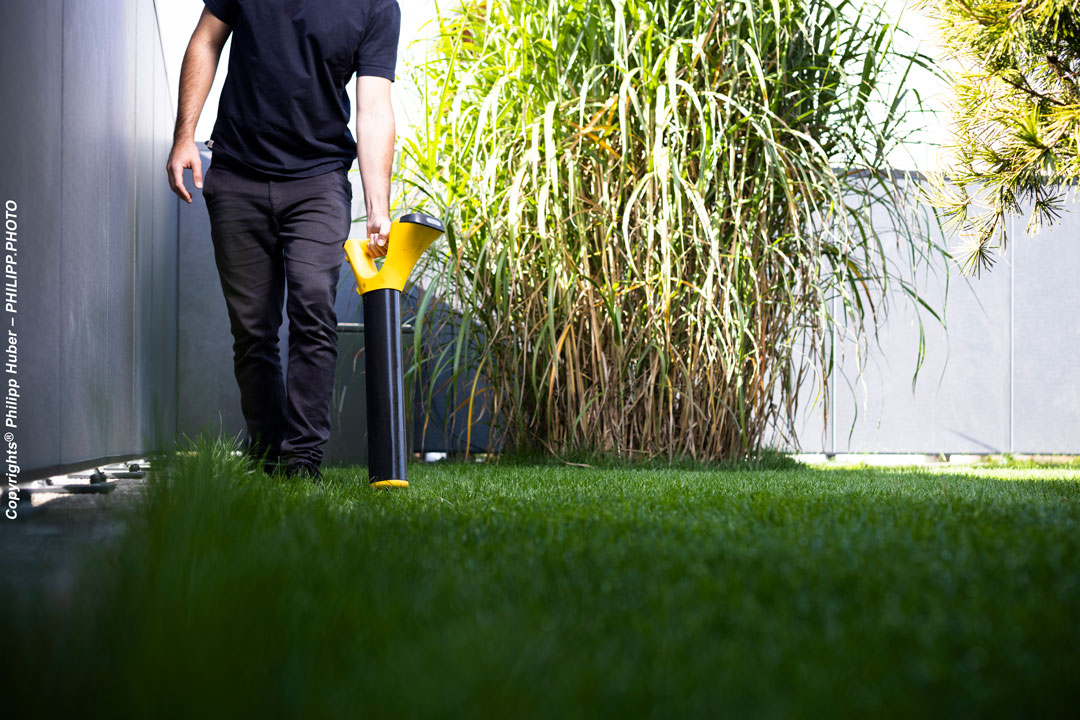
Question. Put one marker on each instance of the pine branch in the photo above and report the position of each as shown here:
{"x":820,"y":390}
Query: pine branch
{"x":1026,"y":87}
{"x":1066,"y":77}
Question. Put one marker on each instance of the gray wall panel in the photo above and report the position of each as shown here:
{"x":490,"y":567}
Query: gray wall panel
{"x":120,"y":239}
{"x":162,"y":346}
{"x":812,"y":428}
{"x":148,"y":169}
{"x":1046,"y":337}
{"x":971,"y":401}
{"x":209,"y":397}
{"x":152,"y":342}
{"x":951,"y":408}
{"x":84,"y":353}
{"x":86,"y":135}
{"x":30,"y":112}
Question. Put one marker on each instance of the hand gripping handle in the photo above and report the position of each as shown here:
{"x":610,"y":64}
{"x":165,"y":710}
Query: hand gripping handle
{"x":410,"y":236}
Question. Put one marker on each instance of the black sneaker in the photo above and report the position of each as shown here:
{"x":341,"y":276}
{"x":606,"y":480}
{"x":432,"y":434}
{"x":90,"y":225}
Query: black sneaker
{"x":268,"y":461}
{"x":266,"y":468}
{"x":303,"y":470}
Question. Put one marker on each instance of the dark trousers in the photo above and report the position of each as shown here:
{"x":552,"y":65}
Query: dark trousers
{"x":269,"y":234}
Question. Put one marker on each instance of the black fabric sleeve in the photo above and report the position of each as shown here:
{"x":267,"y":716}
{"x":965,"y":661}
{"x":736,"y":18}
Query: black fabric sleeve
{"x":378,"y":48}
{"x":224,"y":10}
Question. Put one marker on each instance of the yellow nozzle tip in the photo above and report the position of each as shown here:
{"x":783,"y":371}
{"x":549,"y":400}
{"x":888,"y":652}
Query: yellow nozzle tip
{"x":388,"y":484}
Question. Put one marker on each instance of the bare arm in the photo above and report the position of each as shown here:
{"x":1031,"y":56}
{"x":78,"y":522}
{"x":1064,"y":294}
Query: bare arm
{"x":375,"y":135}
{"x":196,"y":78}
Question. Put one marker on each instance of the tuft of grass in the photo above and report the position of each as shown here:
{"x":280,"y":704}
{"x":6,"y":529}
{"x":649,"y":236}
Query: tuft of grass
{"x":1061,"y":462}
{"x":663,"y":218}
{"x":766,"y":459}
{"x":510,"y":590}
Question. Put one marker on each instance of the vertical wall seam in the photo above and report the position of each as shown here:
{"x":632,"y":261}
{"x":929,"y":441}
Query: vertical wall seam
{"x":832,"y":384}
{"x":1012,"y":339}
{"x":176,"y":323}
{"x":150,"y":382}
{"x":60,"y":255}
{"x":136,"y":425}
{"x":107,"y":432}
{"x":164,"y":64}
{"x":175,"y":240}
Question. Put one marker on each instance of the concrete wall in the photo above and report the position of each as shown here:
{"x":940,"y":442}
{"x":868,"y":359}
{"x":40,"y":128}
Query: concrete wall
{"x":86,"y":124}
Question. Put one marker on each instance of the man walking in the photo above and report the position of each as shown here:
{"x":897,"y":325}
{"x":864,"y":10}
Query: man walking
{"x":278,"y":193}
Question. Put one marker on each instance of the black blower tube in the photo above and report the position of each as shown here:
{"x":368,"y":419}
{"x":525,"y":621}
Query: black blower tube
{"x":384,"y":371}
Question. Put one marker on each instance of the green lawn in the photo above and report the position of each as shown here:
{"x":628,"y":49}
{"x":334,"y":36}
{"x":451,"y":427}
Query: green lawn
{"x":546,"y":591}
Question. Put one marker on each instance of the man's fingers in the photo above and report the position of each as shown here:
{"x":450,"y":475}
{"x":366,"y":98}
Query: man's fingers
{"x":196,"y":173}
{"x":377,"y":245}
{"x":378,"y":232}
{"x":177,"y":176}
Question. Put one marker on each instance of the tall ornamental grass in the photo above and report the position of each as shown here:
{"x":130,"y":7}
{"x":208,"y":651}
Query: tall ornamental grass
{"x":659,"y":215}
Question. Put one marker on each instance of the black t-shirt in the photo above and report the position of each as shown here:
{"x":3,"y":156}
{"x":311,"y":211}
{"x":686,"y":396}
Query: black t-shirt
{"x":284,"y":111}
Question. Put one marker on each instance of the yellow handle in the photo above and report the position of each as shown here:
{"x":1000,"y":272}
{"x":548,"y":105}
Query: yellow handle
{"x":409,"y":237}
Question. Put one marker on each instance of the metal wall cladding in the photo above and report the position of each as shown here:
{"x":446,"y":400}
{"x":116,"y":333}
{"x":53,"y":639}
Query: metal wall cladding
{"x":209,"y":397}
{"x":1000,"y":374}
{"x":30,"y":129}
{"x":87,"y":123}
{"x":1046,"y":337}
{"x":959,"y":401}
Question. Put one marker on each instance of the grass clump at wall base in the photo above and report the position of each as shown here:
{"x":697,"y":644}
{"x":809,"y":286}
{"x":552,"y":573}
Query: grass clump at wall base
{"x":658,"y":215}
{"x":765,"y":459}
{"x":568,"y":592}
